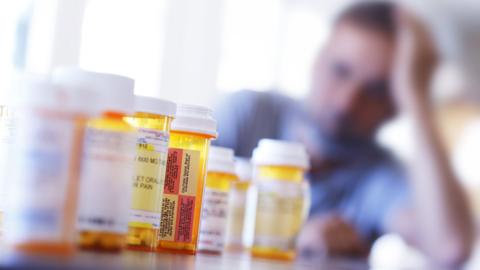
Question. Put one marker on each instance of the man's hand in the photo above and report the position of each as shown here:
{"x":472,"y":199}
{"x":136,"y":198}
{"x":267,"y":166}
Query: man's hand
{"x":415,"y":61}
{"x":440,"y":212}
{"x":330,"y":235}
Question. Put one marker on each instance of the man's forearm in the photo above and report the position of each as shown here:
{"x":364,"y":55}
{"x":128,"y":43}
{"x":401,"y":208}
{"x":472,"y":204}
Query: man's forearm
{"x":445,"y":229}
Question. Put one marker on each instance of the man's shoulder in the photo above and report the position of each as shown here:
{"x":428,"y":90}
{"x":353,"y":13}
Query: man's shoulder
{"x":246,"y":116}
{"x":253,"y":98}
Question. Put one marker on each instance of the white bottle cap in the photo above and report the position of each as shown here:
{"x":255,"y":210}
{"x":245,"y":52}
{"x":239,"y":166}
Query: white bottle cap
{"x":32,"y":90}
{"x":36,"y":91}
{"x":280,"y":153}
{"x":221,"y":159}
{"x":196,"y":119}
{"x":243,"y":169}
{"x":155,"y":106}
{"x":112,"y":92}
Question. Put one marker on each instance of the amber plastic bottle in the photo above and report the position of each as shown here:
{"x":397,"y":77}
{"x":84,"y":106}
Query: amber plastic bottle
{"x":220,"y":178}
{"x":283,"y":197}
{"x":152,"y":120}
{"x":192,"y":131}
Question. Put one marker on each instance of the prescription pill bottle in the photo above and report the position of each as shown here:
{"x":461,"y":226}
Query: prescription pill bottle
{"x":106,"y":175}
{"x":282,"y":202}
{"x":192,"y":130}
{"x":41,"y":208}
{"x":220,"y":177}
{"x":236,"y":234}
{"x":152,"y":119}
{"x":6,"y":141}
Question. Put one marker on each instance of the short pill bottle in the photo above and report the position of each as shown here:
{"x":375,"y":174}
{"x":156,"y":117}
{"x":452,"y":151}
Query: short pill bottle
{"x":220,"y":178}
{"x":192,"y":131}
{"x":237,"y":232}
{"x":283,"y":197}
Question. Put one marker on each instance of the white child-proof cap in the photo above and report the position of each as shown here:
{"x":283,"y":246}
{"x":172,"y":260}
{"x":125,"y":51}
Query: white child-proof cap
{"x":243,"y":169}
{"x":112,"y":92}
{"x":196,"y":119}
{"x":221,"y":159}
{"x":32,"y":90}
{"x":37,"y":91}
{"x":155,"y":106}
{"x":281,"y":153}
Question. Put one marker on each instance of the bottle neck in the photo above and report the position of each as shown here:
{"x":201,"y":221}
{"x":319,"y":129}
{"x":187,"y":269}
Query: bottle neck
{"x":113,"y":115}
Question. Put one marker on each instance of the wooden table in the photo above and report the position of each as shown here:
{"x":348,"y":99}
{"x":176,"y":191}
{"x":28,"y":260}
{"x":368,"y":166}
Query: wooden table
{"x":142,"y":260}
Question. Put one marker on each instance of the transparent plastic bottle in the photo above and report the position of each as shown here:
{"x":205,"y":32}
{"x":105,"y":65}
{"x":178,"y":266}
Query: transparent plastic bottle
{"x":192,"y":131}
{"x":236,"y":229}
{"x":220,"y":177}
{"x":41,"y":211}
{"x":107,"y":161}
{"x":152,"y":120}
{"x":283,"y":197}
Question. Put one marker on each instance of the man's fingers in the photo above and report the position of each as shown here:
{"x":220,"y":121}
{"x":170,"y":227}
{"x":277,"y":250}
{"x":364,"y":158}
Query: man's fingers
{"x":411,"y":24}
{"x":330,"y":236}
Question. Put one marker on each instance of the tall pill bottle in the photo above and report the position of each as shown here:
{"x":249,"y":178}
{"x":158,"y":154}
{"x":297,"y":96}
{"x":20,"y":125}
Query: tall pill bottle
{"x":106,"y":175}
{"x":236,"y":234}
{"x":220,"y":177}
{"x":192,"y":131}
{"x":152,"y":119}
{"x":283,"y":197}
{"x":41,"y":205}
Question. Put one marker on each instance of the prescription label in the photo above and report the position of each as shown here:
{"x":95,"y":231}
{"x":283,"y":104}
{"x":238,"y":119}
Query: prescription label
{"x":180,"y":190}
{"x":106,"y":181}
{"x":149,"y":178}
{"x":280,"y":214}
{"x":6,"y":141}
{"x":42,"y":175}
{"x":214,"y":220}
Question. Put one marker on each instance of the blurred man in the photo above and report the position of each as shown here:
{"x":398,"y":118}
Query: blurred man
{"x":377,"y":61}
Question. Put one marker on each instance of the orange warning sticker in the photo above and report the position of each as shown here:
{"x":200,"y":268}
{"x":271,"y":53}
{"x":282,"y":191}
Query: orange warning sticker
{"x":180,"y":190}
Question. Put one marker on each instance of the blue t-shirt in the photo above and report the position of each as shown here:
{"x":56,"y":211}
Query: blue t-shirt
{"x":363,"y":185}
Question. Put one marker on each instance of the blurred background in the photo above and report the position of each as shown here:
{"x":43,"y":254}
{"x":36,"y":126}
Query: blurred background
{"x":194,"y":51}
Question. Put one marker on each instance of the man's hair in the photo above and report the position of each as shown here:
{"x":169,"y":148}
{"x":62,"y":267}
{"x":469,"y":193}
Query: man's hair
{"x":374,"y":15}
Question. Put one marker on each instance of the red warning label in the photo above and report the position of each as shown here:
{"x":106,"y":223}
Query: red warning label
{"x":178,"y":206}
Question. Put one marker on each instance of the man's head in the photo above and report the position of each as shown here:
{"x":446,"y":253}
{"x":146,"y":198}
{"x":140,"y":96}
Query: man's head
{"x":350,"y":95}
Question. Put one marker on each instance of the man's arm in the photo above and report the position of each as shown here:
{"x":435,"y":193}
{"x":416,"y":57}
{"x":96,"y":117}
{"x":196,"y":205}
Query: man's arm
{"x":442,"y":226}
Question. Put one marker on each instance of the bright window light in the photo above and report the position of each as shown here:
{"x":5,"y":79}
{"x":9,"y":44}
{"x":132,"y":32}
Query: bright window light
{"x":125,"y":37}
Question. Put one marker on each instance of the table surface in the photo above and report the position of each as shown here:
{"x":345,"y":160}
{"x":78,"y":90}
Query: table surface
{"x":144,"y":260}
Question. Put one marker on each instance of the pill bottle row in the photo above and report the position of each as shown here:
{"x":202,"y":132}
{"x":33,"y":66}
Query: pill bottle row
{"x":279,"y":198}
{"x":92,"y":165}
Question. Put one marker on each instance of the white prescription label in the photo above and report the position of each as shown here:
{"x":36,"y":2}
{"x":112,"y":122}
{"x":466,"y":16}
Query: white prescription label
{"x":214,"y":220}
{"x":106,"y":181}
{"x":6,"y":141}
{"x":40,"y":180}
{"x":149,"y":179}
